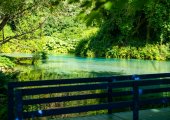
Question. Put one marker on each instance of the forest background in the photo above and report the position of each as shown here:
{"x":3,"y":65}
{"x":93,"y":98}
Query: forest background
{"x":103,"y":28}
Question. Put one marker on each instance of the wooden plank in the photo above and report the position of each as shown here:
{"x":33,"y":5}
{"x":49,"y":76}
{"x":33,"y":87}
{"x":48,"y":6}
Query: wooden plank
{"x":60,"y":81}
{"x":75,"y":97}
{"x":77,"y":109}
{"x":155,"y":90}
{"x":154,"y":101}
{"x":135,"y":101}
{"x":19,"y":105}
{"x":151,"y":76}
{"x":72,"y":88}
{"x":109,"y":97}
{"x":64,"y":98}
{"x":36,"y":91}
{"x":10,"y":102}
{"x":153,"y":82}
{"x":140,"y":83}
{"x":87,"y":80}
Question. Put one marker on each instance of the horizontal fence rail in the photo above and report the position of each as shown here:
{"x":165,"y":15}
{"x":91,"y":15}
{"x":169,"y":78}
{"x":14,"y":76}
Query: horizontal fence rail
{"x":129,"y":91}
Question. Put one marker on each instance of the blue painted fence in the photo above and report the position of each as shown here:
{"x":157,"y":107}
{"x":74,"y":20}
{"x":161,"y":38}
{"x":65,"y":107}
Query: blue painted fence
{"x":138,"y":86}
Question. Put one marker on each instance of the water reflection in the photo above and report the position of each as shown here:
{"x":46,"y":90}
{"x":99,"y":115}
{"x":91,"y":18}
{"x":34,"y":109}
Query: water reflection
{"x":68,"y":66}
{"x":71,"y":63}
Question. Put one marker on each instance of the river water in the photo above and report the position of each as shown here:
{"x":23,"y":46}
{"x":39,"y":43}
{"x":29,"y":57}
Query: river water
{"x":69,"y":66}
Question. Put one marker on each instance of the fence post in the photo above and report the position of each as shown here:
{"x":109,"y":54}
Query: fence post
{"x":109,"y":93}
{"x":135,"y":101}
{"x":10,"y":102}
{"x":19,"y":106}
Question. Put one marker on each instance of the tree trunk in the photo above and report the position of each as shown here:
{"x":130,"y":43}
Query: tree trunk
{"x":148,"y":32}
{"x":4,"y":22}
{"x":140,"y":23}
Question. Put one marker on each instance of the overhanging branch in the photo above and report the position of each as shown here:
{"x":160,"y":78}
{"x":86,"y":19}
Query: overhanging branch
{"x":7,"y":39}
{"x":6,"y":18}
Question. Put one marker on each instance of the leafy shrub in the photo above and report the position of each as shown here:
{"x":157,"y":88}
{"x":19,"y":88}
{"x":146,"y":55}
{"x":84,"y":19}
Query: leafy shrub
{"x":4,"y":79}
{"x":6,"y":62}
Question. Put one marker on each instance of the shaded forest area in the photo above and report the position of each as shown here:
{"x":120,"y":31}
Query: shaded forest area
{"x":111,"y":29}
{"x":137,"y":30}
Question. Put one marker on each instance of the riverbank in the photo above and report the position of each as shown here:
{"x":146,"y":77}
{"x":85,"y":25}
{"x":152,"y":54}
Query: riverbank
{"x":95,"y":48}
{"x":146,"y":52}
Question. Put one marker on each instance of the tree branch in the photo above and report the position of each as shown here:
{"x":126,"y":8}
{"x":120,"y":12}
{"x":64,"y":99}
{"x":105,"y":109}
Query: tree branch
{"x":7,"y":39}
{"x":8,"y":17}
{"x":4,"y":21}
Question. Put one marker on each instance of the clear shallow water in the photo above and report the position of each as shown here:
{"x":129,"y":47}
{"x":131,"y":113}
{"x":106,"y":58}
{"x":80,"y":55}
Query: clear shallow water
{"x":71,"y":64}
{"x":68,"y":66}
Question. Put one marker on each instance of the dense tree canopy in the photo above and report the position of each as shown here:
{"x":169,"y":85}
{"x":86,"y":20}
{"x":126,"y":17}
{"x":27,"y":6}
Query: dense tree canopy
{"x":121,"y":22}
{"x":145,"y":19}
{"x":18,"y":13}
{"x":128,"y":28}
{"x":49,"y":25}
{"x":133,"y":18}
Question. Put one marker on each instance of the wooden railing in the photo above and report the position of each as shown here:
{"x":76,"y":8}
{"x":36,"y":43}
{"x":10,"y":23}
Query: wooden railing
{"x":134,"y":86}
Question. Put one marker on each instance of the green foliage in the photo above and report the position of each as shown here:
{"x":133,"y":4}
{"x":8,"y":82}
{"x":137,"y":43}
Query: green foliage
{"x":24,"y":17}
{"x":6,"y":74}
{"x":59,"y":34}
{"x":44,"y":55}
{"x":104,"y":45}
{"x":6,"y":62}
{"x":151,"y":52}
{"x":4,"y":79}
{"x":145,"y":19}
{"x":10,"y":7}
{"x":35,"y":57}
{"x":125,"y":27}
{"x":39,"y":55}
{"x":129,"y":29}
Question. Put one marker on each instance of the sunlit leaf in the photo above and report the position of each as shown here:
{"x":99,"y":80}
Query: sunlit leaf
{"x":108,"y":5}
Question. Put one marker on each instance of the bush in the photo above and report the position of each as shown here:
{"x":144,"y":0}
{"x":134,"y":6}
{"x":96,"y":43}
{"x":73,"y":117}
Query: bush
{"x":4,"y":79}
{"x":103,"y":48}
{"x":6,"y":62}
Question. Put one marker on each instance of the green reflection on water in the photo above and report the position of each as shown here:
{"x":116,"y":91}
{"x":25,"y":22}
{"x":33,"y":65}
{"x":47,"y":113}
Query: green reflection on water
{"x":67,"y":66}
